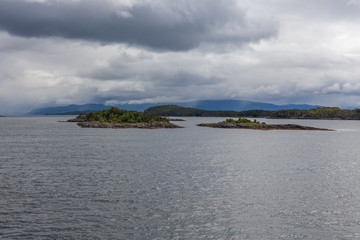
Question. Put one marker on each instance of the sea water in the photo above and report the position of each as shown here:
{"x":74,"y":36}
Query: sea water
{"x":59,"y":181}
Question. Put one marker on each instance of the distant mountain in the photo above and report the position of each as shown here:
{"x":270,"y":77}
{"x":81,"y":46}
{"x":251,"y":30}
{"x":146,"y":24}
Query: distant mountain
{"x":222,"y":105}
{"x":217,"y":105}
{"x":242,"y":105}
{"x":69,"y":110}
{"x":178,"y":111}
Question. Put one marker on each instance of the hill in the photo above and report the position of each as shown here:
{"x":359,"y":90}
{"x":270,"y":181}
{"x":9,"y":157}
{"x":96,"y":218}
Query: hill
{"x":221,"y":105}
{"x":317,"y":113}
{"x":242,"y":105}
{"x":174,"y":110}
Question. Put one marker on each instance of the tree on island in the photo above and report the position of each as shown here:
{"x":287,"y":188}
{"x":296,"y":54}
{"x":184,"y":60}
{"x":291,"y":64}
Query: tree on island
{"x":115,"y":115}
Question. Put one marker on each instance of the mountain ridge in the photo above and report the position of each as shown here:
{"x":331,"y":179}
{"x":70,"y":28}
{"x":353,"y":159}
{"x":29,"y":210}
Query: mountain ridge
{"x":68,"y":109}
{"x":218,"y":105}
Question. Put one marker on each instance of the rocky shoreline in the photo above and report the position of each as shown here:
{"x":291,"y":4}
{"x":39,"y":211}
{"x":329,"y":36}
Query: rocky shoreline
{"x":176,"y":119}
{"x":263,"y":126}
{"x":127,"y":125}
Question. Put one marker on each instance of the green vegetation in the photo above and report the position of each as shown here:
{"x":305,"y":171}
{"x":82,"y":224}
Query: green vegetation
{"x":115,"y":115}
{"x":244,"y":121}
{"x":316,"y":113}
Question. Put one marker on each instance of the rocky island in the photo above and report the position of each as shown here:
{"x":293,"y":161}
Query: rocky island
{"x":118,"y":118}
{"x":248,"y":124}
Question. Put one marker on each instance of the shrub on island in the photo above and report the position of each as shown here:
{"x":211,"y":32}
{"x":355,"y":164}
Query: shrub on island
{"x":242,"y":121}
{"x":118,"y":118}
{"x":115,"y":115}
{"x":248,"y":124}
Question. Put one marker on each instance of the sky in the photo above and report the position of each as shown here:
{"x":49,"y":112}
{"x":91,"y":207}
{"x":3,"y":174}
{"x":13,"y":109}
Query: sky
{"x":60,"y":52}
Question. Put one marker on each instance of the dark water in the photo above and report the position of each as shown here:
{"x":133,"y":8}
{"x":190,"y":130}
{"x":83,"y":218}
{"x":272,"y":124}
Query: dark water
{"x":58,"y":181}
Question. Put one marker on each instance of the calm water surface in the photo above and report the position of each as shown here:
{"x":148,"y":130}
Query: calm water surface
{"x":59,"y":181}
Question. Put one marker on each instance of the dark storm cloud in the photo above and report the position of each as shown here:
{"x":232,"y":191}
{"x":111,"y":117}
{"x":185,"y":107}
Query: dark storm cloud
{"x":164,"y":25}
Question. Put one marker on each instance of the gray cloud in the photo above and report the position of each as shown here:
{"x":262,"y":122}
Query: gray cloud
{"x":120,"y":72}
{"x":164,"y":25}
{"x":279,"y":51}
{"x":182,"y":79}
{"x":328,"y":10}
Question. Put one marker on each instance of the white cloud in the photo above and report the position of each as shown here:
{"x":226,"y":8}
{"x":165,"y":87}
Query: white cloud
{"x":313,"y":58}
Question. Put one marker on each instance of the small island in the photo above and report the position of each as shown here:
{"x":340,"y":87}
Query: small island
{"x":248,"y":124}
{"x":118,"y":118}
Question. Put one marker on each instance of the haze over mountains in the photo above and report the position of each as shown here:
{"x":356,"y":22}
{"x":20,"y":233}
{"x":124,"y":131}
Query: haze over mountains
{"x":230,"y":105}
{"x":69,"y":109}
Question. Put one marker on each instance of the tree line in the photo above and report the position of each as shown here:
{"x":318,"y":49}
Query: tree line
{"x":316,"y":113}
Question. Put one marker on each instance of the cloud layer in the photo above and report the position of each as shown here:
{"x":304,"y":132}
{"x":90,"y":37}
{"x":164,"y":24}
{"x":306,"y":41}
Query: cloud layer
{"x":76,"y":51}
{"x":163,"y":25}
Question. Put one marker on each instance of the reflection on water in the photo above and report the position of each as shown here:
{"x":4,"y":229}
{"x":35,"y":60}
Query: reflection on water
{"x":60,"y":181}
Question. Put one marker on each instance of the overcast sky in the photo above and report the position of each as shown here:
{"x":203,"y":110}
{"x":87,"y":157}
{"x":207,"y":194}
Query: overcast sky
{"x":59,"y":52}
